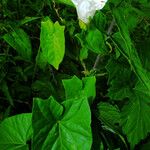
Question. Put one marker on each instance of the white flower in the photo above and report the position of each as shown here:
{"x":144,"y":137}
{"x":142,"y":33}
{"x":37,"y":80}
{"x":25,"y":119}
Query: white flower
{"x":87,"y":8}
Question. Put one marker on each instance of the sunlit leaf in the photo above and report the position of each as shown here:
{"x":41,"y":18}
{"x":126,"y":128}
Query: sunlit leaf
{"x":52,"y":43}
{"x":15,"y":132}
{"x":61,"y":126}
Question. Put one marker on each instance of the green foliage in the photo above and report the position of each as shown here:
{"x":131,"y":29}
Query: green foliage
{"x":95,"y":41}
{"x":119,"y":79}
{"x":20,"y":41}
{"x":72,"y":91}
{"x":69,"y":85}
{"x":109,"y":114}
{"x":4,"y":88}
{"x":67,"y":2}
{"x":135,"y":118}
{"x":52,"y":44}
{"x":15,"y":132}
{"x":85,"y":86}
{"x":67,"y":125}
{"x":128,"y":49}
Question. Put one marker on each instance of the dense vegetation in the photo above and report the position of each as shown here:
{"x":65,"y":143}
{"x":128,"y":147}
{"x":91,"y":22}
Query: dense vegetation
{"x":65,"y":85}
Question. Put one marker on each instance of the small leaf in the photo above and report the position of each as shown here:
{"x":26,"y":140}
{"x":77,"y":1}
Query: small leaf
{"x":52,"y":43}
{"x":108,"y":114}
{"x":83,"y":53}
{"x":95,"y":41}
{"x":67,"y":2}
{"x":100,"y":20}
{"x":89,"y":87}
{"x":27,"y":20}
{"x":20,"y":41}
{"x":73,"y":87}
{"x":5,"y":89}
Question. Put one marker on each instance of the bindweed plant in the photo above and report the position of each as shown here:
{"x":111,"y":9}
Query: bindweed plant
{"x":74,"y":74}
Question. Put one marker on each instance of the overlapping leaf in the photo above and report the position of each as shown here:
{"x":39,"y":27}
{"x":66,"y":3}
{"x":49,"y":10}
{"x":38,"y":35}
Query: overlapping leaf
{"x":61,"y":126}
{"x":95,"y":41}
{"x":15,"y":132}
{"x":75,"y":87}
{"x":119,"y":79}
{"x":108,"y":114}
{"x":135,"y":118}
{"x":128,"y":50}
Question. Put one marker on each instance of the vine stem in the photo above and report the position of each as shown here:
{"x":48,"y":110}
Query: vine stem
{"x":108,"y":33}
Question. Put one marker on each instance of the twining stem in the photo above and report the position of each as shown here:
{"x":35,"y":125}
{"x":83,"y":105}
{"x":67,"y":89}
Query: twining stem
{"x":108,"y":33}
{"x":111,"y":27}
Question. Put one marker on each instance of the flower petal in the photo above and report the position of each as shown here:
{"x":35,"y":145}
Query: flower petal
{"x":87,"y":8}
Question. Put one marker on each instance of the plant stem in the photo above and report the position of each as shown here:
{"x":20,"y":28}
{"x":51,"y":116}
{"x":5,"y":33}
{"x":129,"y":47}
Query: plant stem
{"x":111,"y":27}
{"x":108,"y":33}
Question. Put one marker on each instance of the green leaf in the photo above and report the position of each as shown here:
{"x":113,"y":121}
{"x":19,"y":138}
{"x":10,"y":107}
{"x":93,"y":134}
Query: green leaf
{"x":67,"y":2}
{"x":5,"y":89}
{"x":142,"y":89}
{"x":62,"y":126}
{"x":143,"y":49}
{"x":108,"y":114}
{"x":15,"y":132}
{"x":52,"y":43}
{"x":27,"y":20}
{"x":128,"y":50}
{"x":132,"y":19}
{"x":135,"y":118}
{"x":119,"y":79}
{"x":43,"y":87}
{"x":89,"y":87}
{"x":75,"y":87}
{"x":100,"y":21}
{"x":95,"y":41}
{"x":20,"y":41}
{"x":83,"y":53}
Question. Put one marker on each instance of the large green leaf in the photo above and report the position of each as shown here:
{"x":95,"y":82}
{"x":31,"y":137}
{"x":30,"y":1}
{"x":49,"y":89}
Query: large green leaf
{"x":20,"y":41}
{"x":127,"y":49}
{"x":63,"y":126}
{"x":15,"y":132}
{"x":52,"y":43}
{"x":135,"y":118}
